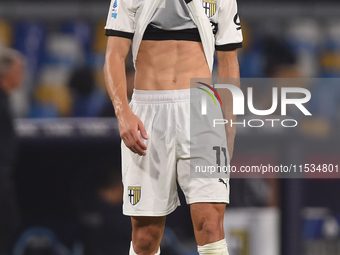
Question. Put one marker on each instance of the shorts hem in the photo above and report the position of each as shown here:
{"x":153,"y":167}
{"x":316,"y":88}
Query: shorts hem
{"x":150,"y":213}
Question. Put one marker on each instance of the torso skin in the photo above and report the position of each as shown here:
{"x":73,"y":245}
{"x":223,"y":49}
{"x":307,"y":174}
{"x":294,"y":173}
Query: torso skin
{"x":168,"y":65}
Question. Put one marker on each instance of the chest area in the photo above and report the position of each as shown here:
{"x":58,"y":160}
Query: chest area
{"x":210,"y":8}
{"x":177,"y":7}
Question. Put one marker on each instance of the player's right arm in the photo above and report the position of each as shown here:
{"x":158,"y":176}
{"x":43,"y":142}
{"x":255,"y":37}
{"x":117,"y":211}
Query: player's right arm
{"x":120,"y":29}
{"x":115,"y":80}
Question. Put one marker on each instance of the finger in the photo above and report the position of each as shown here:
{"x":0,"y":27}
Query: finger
{"x":139,"y":144}
{"x":129,"y":144}
{"x":142,"y":130}
{"x":133,"y":149}
{"x":138,"y":140}
{"x":139,"y":151}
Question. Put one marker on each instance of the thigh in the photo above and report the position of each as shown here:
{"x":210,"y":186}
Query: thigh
{"x":207,"y":219}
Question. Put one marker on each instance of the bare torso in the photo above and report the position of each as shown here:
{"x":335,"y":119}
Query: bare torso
{"x":167,"y":65}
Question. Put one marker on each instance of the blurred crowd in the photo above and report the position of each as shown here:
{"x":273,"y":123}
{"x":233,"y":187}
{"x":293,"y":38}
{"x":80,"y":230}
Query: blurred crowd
{"x":64,"y":72}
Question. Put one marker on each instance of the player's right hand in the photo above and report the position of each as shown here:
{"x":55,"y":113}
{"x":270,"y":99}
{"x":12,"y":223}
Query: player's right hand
{"x":131,"y":130}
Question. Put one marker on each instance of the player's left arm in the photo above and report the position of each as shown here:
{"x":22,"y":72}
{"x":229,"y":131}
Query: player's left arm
{"x":228,"y":67}
{"x":228,"y":39}
{"x":228,"y":64}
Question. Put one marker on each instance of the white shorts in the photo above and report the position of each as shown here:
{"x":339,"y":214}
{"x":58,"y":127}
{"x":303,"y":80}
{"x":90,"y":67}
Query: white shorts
{"x":150,"y":187}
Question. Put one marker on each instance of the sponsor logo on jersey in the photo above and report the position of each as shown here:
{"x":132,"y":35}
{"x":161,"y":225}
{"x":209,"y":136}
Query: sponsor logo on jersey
{"x":134,"y":194}
{"x":115,"y":10}
{"x":209,"y":7}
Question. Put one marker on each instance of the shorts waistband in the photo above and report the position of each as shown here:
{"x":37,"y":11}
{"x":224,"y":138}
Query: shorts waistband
{"x":163,"y":95}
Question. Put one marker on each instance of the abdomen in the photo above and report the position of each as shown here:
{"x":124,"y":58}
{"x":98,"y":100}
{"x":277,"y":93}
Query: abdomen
{"x":165,"y":65}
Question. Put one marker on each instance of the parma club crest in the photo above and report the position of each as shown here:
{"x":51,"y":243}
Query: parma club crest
{"x":134,"y":194}
{"x":209,"y":7}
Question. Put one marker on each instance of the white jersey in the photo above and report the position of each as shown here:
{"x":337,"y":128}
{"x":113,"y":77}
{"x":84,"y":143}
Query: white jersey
{"x":223,"y":15}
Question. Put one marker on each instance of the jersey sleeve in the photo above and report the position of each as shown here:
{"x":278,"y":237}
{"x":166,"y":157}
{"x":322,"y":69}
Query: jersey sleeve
{"x":119,"y":22}
{"x":229,"y":34}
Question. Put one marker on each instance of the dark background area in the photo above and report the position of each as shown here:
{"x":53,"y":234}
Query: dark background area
{"x":58,"y":178}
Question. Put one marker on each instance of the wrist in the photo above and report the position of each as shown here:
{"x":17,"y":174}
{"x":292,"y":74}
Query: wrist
{"x":122,"y":110}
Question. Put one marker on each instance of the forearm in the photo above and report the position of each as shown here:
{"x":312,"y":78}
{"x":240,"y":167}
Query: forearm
{"x":115,"y":80}
{"x":228,"y":65}
{"x":228,"y":69}
{"x":115,"y":75}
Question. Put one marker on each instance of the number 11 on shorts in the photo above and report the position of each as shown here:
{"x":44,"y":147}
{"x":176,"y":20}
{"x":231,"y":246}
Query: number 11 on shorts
{"x":218,"y":150}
